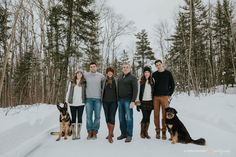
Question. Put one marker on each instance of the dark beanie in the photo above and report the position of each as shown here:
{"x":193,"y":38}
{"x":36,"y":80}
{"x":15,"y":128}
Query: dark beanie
{"x":147,"y":69}
{"x":109,"y":69}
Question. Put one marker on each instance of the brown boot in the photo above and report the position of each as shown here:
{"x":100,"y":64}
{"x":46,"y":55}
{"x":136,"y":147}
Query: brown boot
{"x":163,"y":135}
{"x":94,"y":135}
{"x":90,"y":135}
{"x":142,"y":133}
{"x":108,"y":131}
{"x":158,"y":134}
{"x":111,"y":129}
{"x":146,"y":131}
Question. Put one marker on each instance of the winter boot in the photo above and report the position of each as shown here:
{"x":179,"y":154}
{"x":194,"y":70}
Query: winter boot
{"x":94,"y":135}
{"x":146,"y":130}
{"x":108,"y":131}
{"x":142,"y":133}
{"x":90,"y":135}
{"x":163,"y":135}
{"x":73,"y":131}
{"x":111,"y":129}
{"x":78,"y":131}
{"x":158,"y":134}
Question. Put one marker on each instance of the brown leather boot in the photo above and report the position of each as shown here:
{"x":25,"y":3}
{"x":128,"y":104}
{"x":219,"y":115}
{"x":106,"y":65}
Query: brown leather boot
{"x":163,"y":135}
{"x":94,"y":135}
{"x":142,"y":133}
{"x":111,"y":129}
{"x":146,"y":131}
{"x":108,"y":131}
{"x":90,"y":135}
{"x":158,"y":136}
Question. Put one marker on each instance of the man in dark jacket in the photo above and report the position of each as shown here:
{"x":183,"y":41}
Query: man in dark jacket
{"x":163,"y":89}
{"x":127,"y":93}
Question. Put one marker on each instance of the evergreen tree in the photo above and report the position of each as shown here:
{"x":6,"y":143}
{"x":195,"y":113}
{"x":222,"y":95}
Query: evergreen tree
{"x":27,"y":68}
{"x":72,"y":33}
{"x":144,"y":52}
{"x":180,"y":49}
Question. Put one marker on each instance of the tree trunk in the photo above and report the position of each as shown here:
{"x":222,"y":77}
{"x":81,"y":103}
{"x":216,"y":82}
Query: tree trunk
{"x":9,"y":45}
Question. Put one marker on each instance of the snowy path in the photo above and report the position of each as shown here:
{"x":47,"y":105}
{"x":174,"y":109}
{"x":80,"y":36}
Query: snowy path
{"x":216,"y":124}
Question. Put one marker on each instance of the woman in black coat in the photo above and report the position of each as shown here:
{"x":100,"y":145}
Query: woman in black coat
{"x":146,"y":100}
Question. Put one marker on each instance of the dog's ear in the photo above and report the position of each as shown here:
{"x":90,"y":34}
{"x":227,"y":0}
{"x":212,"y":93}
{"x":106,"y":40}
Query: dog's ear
{"x":58,"y":107}
{"x":175,"y":111}
{"x":65,"y":105}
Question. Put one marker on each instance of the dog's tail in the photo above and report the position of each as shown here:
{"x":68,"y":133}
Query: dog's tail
{"x":200,"y":141}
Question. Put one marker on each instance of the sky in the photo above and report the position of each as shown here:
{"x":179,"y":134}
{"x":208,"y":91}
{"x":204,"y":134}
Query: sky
{"x":146,"y":14}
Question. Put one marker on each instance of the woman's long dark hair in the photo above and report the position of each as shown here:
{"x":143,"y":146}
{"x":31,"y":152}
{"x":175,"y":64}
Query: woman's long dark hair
{"x":82,"y":80}
{"x":143,"y":79}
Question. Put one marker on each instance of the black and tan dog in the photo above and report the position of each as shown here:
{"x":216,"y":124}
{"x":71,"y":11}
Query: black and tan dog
{"x":177,"y":130}
{"x":65,"y":123}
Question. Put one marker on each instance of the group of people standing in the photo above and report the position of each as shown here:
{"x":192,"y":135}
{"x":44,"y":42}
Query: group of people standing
{"x":94,"y":90}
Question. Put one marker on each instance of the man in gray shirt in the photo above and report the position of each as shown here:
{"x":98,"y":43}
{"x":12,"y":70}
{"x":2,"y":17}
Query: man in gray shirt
{"x":93,"y":100}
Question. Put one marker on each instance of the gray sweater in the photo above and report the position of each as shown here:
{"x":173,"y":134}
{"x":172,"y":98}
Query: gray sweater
{"x":94,"y":84}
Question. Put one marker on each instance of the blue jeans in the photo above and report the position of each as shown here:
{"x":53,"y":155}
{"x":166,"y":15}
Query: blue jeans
{"x":93,"y":105}
{"x":125,"y":117}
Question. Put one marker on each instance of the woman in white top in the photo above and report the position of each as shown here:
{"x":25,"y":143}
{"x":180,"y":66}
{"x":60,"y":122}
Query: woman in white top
{"x":146,"y":100}
{"x":75,"y":97}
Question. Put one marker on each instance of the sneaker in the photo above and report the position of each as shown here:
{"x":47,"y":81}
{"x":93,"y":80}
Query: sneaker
{"x":121,"y":137}
{"x":128,"y":139}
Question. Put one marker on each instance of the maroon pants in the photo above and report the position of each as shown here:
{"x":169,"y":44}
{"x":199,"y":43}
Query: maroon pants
{"x":160,"y":102}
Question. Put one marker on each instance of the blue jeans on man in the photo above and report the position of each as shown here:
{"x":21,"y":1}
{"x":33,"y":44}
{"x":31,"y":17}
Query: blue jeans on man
{"x":93,"y":105}
{"x":125,"y":117}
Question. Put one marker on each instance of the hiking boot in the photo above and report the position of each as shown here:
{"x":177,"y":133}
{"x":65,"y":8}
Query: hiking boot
{"x":128,"y":139}
{"x":94,"y":135}
{"x":90,"y":135}
{"x":121,"y":137}
{"x":163,"y":135}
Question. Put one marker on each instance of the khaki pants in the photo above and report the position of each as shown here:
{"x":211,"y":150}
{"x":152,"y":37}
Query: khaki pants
{"x":160,"y":102}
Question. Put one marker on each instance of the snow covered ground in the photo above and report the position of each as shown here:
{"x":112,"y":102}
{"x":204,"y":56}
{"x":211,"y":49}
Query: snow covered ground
{"x":25,"y":132}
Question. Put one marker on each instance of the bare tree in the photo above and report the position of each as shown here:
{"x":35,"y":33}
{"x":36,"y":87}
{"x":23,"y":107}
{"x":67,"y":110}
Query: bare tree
{"x":10,"y":42}
{"x":162,"y":33}
{"x":113,"y":27}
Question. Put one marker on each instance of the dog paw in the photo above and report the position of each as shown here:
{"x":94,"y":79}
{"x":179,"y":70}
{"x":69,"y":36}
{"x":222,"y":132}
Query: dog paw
{"x":173,"y":142}
{"x":65,"y":138}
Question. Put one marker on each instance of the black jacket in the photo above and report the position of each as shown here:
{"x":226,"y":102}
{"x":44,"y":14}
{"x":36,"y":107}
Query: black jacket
{"x":127,"y":87}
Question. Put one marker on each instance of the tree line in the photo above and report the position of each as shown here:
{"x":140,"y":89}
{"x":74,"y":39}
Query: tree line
{"x":42,"y":44}
{"x":202,"y":54}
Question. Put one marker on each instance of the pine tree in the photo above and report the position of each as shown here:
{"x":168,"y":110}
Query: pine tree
{"x":27,"y":68}
{"x":144,"y":52}
{"x":190,"y":29}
